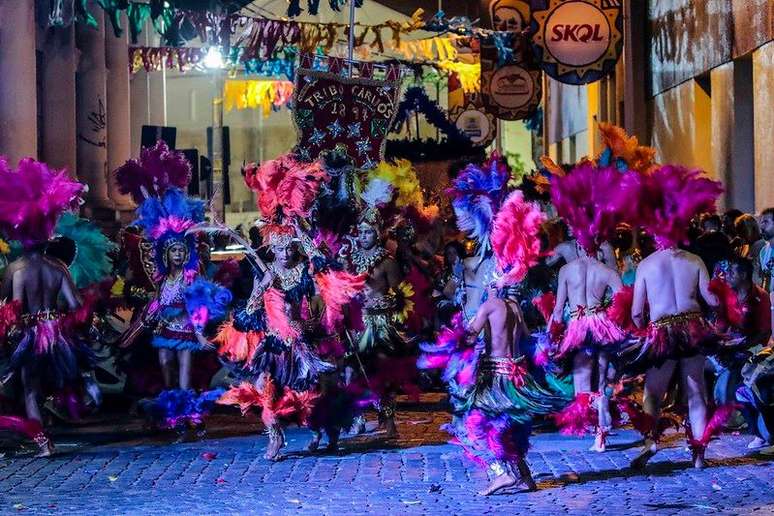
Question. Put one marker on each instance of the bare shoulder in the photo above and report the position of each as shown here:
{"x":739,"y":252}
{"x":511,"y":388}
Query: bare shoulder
{"x":55,"y":265}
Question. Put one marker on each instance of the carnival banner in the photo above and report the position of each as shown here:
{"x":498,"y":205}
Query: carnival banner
{"x":577,"y":41}
{"x":510,"y":90}
{"x":334,"y":108}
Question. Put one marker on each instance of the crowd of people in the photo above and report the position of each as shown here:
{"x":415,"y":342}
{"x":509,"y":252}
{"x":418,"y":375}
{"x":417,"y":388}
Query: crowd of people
{"x":576,"y":296}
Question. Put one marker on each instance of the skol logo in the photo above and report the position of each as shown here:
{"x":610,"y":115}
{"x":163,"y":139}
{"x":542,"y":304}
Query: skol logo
{"x":577,"y":33}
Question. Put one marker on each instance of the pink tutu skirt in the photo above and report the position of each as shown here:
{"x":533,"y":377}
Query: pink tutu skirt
{"x":592,"y":331}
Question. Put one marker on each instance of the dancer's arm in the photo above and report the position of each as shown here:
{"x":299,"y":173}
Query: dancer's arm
{"x":561,"y":298}
{"x":638,"y":302}
{"x":711,"y":299}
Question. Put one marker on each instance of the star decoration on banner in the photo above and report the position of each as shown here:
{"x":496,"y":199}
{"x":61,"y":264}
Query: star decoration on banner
{"x":353,"y":130}
{"x":335,"y":129}
{"x":317,"y":137}
{"x":304,"y":155}
{"x":369,"y":163}
{"x":363,"y":146}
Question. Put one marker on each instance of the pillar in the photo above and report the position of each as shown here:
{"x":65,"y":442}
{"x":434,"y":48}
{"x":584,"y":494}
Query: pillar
{"x":763,"y":97}
{"x":636,"y":66}
{"x":721,"y":150}
{"x":119,"y":139}
{"x":91,"y":116}
{"x":59,"y":133}
{"x":18,"y":89}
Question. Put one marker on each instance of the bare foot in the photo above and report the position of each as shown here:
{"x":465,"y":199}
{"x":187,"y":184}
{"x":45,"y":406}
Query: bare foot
{"x":698,"y":459}
{"x":499,"y":483}
{"x":526,"y":476}
{"x":389,"y":426}
{"x":46,"y":449}
{"x":648,"y":451}
{"x":600,"y":444}
{"x":314,"y":444}
{"x":360,"y":426}
{"x":276,"y":443}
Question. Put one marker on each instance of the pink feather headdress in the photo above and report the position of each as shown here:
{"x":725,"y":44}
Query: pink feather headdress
{"x":516,"y":238}
{"x":593,"y":201}
{"x":285,"y":187}
{"x":158,"y":169}
{"x":670,"y":197}
{"x":34,"y":196}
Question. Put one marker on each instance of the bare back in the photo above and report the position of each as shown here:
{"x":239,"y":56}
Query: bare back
{"x":670,"y":281}
{"x":37,"y":282}
{"x":586,"y":280}
{"x":504,"y":322}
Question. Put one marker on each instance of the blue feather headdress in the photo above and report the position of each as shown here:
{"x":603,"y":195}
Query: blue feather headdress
{"x":477,"y":194}
{"x":165,"y":220}
{"x":206,"y":302}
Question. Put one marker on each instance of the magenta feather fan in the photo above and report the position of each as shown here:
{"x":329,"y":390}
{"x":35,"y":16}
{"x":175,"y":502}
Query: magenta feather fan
{"x":516,"y":238}
{"x":670,"y":197}
{"x":34,"y":196}
{"x":593,"y":201}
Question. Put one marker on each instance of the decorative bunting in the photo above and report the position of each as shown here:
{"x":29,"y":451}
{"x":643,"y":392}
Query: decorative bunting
{"x":252,"y":94}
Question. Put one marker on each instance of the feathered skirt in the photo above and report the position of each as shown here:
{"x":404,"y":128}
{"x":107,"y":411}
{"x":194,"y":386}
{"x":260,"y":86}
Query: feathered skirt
{"x":495,"y":421}
{"x":294,"y":365}
{"x":591,"y":332}
{"x":51,"y":351}
{"x":678,"y":336}
{"x":174,"y":331}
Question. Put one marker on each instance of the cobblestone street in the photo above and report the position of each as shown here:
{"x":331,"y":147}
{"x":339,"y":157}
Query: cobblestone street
{"x":103,"y":472}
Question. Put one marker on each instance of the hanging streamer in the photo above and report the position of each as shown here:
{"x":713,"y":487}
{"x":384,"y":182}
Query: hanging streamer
{"x":253,"y":94}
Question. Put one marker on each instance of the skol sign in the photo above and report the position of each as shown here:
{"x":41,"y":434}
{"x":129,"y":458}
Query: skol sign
{"x":578,"y":41}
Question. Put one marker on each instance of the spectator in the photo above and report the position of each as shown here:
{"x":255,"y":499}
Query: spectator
{"x":754,"y":328}
{"x":712,"y":246}
{"x":750,"y":243}
{"x":729,"y":223}
{"x":766,"y":256}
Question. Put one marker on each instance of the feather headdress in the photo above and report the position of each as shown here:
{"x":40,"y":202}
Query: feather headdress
{"x":516,"y":238}
{"x":624,"y":151}
{"x":158,"y":169}
{"x":670,"y":197}
{"x":477,"y":194}
{"x":593,"y":201}
{"x":34,"y":196}
{"x":165,"y":221}
{"x":408,"y":195}
{"x":285,"y":187}
{"x":92,"y":262}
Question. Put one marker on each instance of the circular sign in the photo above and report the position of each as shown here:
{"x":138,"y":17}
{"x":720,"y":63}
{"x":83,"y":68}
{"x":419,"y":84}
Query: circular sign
{"x":512,"y":92}
{"x":476,"y":124}
{"x":507,"y":15}
{"x":578,"y":41}
{"x":512,"y":87}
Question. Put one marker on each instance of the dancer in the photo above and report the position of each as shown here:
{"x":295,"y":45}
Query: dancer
{"x":493,"y":396}
{"x":766,"y":256}
{"x":592,"y":201}
{"x":671,"y":282}
{"x":298,"y":300}
{"x":376,"y":336}
{"x":184,"y":303}
{"x":50,"y":355}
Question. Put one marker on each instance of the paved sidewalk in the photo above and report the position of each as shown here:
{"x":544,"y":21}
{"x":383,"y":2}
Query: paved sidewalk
{"x":419,"y":474}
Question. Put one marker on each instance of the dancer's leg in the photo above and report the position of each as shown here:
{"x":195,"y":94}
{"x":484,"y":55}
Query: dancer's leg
{"x":656,"y":384}
{"x":694,"y":386}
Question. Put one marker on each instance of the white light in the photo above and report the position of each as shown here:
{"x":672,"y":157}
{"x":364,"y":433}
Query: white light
{"x":213,"y":59}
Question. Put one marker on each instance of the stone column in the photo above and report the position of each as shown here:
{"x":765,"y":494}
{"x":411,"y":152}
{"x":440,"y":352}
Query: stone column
{"x":92,"y":116}
{"x":763,"y":91}
{"x":119,"y":139}
{"x":18,"y":89}
{"x":59,"y":141}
